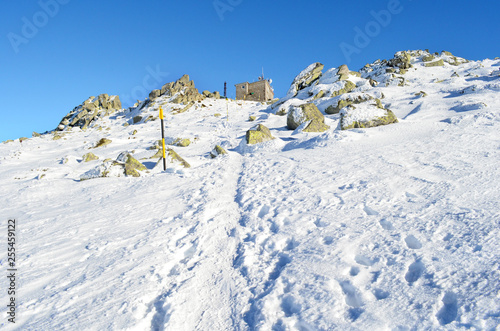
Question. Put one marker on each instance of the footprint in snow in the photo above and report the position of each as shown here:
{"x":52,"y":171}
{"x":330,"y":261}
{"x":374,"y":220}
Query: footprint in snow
{"x":320,"y":223}
{"x":370,"y":212}
{"x":413,"y":242}
{"x":264,"y":211}
{"x":386,"y":225}
{"x":280,"y":265}
{"x":448,"y":313}
{"x":290,"y":306}
{"x":363,"y":260}
{"x":380,"y":294}
{"x":328,"y":240}
{"x":414,"y":272}
{"x":352,"y":299}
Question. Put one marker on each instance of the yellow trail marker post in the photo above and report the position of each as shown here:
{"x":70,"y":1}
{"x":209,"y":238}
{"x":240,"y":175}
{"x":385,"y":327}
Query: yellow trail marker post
{"x":163,"y":140}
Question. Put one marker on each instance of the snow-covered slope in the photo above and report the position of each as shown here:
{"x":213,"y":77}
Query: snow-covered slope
{"x":394,"y":227}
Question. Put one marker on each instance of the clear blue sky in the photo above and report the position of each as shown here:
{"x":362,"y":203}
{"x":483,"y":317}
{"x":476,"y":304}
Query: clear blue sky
{"x":56,"y":53}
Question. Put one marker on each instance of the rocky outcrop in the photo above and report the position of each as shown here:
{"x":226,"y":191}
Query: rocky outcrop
{"x":306,"y":78}
{"x":307,"y":113}
{"x":183,"y":91}
{"x":401,"y":60}
{"x":89,"y":111}
{"x":343,"y":72}
{"x":258,"y":134}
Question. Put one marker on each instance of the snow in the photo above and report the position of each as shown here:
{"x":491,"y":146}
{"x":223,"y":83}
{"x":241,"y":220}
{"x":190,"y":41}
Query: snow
{"x":392,"y":228}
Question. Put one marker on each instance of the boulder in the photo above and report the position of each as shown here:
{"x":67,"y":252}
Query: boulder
{"x":172,"y":157}
{"x":306,"y":113}
{"x":132,"y":166}
{"x":154,"y":94}
{"x":89,"y":157}
{"x":438,"y":63}
{"x":22,"y":139}
{"x":306,"y":78}
{"x":218,"y":150}
{"x":428,"y":58}
{"x":258,"y":134}
{"x":35,"y":134}
{"x":343,"y":70}
{"x":319,"y":95}
{"x":181,"y":142}
{"x":365,"y":116}
{"x":114,"y":102}
{"x":346,"y":100}
{"x":347,"y":87}
{"x":176,"y":158}
{"x":103,"y":142}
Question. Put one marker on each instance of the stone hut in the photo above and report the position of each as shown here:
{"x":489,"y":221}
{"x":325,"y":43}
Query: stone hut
{"x":256,"y":91}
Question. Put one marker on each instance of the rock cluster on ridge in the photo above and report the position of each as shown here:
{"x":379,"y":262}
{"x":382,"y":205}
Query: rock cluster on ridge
{"x":182,"y":91}
{"x":90,"y":110}
{"x":353,"y":95}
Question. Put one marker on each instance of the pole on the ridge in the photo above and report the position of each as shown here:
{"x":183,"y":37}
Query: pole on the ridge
{"x":163,"y":141}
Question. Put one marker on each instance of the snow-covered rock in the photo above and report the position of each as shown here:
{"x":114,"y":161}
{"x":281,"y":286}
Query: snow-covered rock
{"x":307,"y":115}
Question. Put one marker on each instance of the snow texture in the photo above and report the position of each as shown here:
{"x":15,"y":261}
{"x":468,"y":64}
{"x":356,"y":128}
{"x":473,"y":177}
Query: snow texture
{"x":388,"y":228}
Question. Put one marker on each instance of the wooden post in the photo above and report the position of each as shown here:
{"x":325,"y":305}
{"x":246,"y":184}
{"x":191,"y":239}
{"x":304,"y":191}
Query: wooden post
{"x":163,"y":141}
